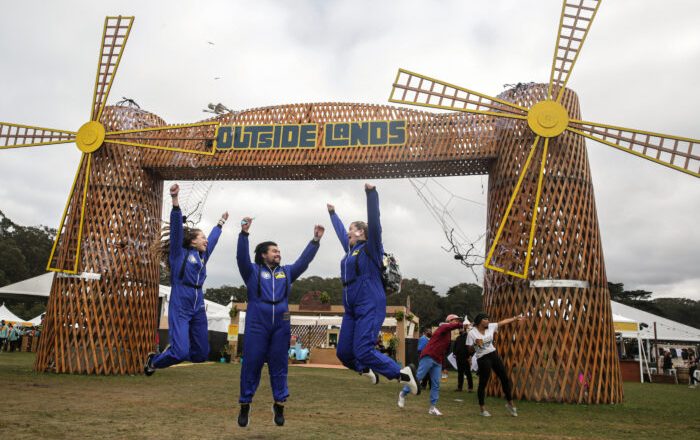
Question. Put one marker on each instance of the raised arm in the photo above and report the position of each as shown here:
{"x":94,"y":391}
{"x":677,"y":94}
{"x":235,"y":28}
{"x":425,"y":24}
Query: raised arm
{"x":302,"y":263}
{"x":338,"y":227}
{"x":374,"y":241}
{"x":214,"y":235}
{"x":245,"y":265}
{"x":176,"y":229}
{"x":509,"y":320}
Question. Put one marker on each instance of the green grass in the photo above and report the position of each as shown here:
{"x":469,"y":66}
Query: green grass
{"x":201,"y":402}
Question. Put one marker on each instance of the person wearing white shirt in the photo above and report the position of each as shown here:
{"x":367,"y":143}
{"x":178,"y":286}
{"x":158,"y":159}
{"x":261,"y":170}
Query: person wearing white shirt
{"x":481,"y":337}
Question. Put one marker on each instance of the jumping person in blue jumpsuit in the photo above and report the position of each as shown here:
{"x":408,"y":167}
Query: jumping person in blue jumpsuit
{"x":189,"y":252}
{"x":364,"y":297}
{"x":267,"y":323}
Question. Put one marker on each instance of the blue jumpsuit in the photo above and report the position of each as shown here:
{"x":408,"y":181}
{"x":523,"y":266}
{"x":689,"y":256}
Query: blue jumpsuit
{"x":363,"y":297}
{"x":187,"y":318}
{"x":267,"y":321}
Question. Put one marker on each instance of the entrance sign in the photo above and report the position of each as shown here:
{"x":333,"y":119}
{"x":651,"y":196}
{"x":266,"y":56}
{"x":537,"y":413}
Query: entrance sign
{"x":329,"y":135}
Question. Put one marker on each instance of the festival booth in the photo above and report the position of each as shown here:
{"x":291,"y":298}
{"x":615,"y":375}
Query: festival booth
{"x":316,"y":327}
{"x":654,"y":334}
{"x":631,"y":368}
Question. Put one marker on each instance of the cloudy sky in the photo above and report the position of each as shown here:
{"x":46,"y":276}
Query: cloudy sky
{"x":638,"y":69}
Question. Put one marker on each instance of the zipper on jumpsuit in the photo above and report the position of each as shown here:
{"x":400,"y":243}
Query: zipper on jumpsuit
{"x":273,"y":297}
{"x":196,"y":290}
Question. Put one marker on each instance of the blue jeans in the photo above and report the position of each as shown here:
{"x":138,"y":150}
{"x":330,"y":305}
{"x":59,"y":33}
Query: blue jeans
{"x":428,"y":367}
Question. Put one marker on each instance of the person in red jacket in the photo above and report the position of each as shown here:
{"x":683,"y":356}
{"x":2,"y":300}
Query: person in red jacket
{"x":431,"y":359}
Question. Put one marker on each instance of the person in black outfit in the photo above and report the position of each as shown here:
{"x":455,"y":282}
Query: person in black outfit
{"x":463,"y":355}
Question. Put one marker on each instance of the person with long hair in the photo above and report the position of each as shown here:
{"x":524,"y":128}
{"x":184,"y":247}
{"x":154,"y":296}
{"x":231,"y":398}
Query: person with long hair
{"x":364,"y":297}
{"x":488,"y":359}
{"x":189,"y":251}
{"x":267,"y":322}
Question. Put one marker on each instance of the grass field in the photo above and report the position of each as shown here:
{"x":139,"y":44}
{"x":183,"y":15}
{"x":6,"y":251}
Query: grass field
{"x":200,"y":401}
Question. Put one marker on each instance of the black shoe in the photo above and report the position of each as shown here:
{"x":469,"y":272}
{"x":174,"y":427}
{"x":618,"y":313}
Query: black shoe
{"x":243,"y":414}
{"x":278,"y":413}
{"x":148,"y":369}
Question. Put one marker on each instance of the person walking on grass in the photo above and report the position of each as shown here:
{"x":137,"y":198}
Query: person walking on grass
{"x":487,"y":358}
{"x":431,"y":360}
{"x":364,"y":297}
{"x":189,"y":251}
{"x":267,"y":323}
{"x":463,"y":354}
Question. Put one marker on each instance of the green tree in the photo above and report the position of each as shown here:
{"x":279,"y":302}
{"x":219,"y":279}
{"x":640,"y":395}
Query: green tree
{"x":222,"y":295}
{"x":425,"y":301}
{"x":464,"y":299}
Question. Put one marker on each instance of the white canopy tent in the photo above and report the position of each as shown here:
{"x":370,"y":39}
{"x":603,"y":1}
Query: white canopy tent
{"x":217,"y":315}
{"x":666,"y":329}
{"x":7,"y":316}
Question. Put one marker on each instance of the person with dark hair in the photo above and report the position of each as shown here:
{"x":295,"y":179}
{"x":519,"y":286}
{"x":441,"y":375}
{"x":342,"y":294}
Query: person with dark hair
{"x":463,"y":354}
{"x":481,"y":337}
{"x":3,"y":334}
{"x":364,"y":297}
{"x":189,"y":251}
{"x":267,"y":323}
{"x":431,"y":360}
{"x":692,"y":366}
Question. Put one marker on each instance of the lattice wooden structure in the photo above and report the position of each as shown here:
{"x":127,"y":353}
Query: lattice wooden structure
{"x":544,"y":247}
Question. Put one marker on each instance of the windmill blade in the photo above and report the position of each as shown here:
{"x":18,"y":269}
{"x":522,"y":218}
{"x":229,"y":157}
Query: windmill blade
{"x":575,"y":21}
{"x":415,"y":89}
{"x":20,"y":136}
{"x":65,"y":253}
{"x":506,"y":255}
{"x":680,"y":153}
{"x":114,"y":37}
{"x":194,"y":138}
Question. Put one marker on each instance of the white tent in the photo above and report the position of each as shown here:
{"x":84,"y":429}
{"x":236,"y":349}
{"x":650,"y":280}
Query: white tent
{"x":37,"y":286}
{"x":36,"y":320}
{"x":666,"y":329}
{"x":7,"y":316}
{"x":217,"y":315}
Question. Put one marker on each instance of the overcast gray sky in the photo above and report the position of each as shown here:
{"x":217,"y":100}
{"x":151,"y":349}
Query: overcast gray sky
{"x":638,"y":69}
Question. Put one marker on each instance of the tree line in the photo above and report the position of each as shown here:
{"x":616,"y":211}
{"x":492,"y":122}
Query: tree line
{"x":24,"y":251}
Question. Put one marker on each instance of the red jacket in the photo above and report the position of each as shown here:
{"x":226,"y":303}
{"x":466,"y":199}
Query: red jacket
{"x":440,"y":342}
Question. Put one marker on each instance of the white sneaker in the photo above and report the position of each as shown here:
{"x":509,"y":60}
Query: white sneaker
{"x":513,"y":411}
{"x":485,"y":413}
{"x":408,"y":378}
{"x":433,"y":411}
{"x":402,"y":400}
{"x":372,"y":376}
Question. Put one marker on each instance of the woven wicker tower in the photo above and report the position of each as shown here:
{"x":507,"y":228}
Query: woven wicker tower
{"x":566,"y":350}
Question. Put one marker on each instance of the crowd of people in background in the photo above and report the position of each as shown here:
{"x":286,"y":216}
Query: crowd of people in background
{"x":11,"y":334}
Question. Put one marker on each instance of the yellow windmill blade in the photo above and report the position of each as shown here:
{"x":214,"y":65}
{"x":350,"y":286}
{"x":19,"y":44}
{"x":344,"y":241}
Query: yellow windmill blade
{"x":183,"y":138}
{"x":491,"y":258}
{"x":114,"y":37}
{"x":416,"y":89}
{"x":679,"y":153}
{"x":574,"y":22}
{"x":70,"y":229}
{"x":20,"y":136}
